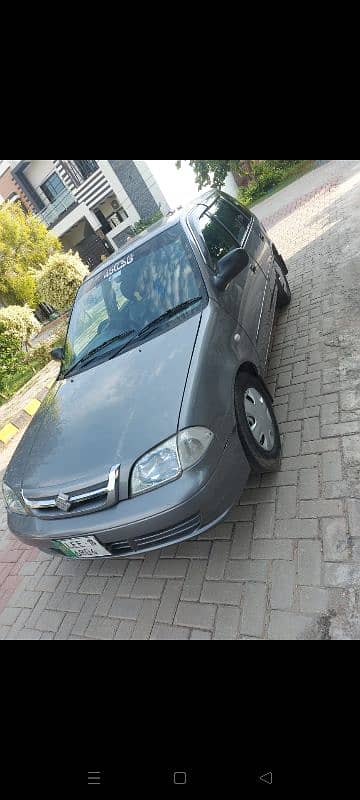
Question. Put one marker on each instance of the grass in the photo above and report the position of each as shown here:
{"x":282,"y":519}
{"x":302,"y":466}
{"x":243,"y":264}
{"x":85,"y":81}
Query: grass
{"x":292,"y":175}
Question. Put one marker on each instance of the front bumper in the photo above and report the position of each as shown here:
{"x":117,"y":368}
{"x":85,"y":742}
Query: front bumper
{"x":170,"y":514}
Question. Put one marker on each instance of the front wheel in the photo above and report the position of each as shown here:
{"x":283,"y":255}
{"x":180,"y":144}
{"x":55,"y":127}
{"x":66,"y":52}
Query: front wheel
{"x":257,"y":425}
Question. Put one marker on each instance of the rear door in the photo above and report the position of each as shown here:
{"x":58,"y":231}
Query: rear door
{"x":259,"y":248}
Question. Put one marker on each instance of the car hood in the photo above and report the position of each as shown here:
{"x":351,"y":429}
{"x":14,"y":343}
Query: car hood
{"x":109,"y":414}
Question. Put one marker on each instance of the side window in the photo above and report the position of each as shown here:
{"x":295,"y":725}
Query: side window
{"x":230,"y":216}
{"x":218,"y":241}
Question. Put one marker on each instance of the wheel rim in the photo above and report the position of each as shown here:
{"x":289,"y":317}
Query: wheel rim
{"x":259,"y":419}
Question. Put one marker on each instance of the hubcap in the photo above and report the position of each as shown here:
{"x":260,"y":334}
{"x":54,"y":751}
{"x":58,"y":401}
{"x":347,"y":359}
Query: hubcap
{"x":259,"y":419}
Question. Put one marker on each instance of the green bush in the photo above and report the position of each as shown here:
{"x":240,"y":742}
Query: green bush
{"x":268,"y":175}
{"x":18,"y":323}
{"x":21,"y":290}
{"x":60,"y":279}
{"x":142,"y":224}
{"x":10,"y":358}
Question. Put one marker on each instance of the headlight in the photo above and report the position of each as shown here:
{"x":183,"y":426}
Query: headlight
{"x":167,"y":461}
{"x":12,"y":500}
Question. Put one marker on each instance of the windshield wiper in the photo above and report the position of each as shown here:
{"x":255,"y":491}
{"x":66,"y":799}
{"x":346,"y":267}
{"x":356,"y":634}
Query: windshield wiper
{"x":89,"y":356}
{"x":171,"y":312}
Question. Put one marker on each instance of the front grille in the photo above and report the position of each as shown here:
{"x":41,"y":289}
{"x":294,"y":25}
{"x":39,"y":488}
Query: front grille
{"x":86,"y":501}
{"x":142,"y":543}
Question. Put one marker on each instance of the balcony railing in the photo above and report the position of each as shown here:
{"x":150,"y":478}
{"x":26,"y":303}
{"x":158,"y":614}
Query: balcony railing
{"x":52,"y":213}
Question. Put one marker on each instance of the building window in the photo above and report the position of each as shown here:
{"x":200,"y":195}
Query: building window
{"x":53,"y":187}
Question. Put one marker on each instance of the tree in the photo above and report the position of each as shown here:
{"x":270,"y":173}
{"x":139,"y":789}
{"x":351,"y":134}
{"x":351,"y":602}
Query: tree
{"x":25,"y":246}
{"x":214,"y":172}
{"x":60,"y":279}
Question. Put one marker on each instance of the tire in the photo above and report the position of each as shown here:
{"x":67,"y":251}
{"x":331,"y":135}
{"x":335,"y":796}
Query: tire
{"x":261,"y":442}
{"x":284,"y":291}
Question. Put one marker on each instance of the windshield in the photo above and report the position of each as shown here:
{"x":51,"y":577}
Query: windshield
{"x":132,"y":292}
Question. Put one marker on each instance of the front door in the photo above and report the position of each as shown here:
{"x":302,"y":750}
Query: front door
{"x":244,"y":296}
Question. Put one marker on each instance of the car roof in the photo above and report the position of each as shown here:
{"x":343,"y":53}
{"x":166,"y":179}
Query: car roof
{"x":168,"y":221}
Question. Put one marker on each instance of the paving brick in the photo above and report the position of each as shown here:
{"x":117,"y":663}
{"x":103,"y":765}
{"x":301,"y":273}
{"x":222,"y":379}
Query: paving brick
{"x":353,"y":510}
{"x":313,"y":388}
{"x":311,"y":429}
{"x":351,"y":449}
{"x":49,"y":620}
{"x":146,"y":619}
{"x":289,"y":478}
{"x":299,"y":462}
{"x":241,"y":543}
{"x":227,"y":622}
{"x":241,"y":514}
{"x":290,"y":427}
{"x":27,"y":634}
{"x":197,"y":634}
{"x":331,"y":466}
{"x":71,"y":602}
{"x":101,"y":628}
{"x":291,"y":445}
{"x":284,"y":625}
{"x":171,"y":568}
{"x":113,"y":567}
{"x":350,"y":400}
{"x":66,"y":626}
{"x":128,"y":581}
{"x":336,"y":546}
{"x":247,"y":570}
{"x":283,"y":583}
{"x":125,"y":631}
{"x":169,"y":632}
{"x":24,"y":599}
{"x":125,"y":608}
{"x":310,"y":509}
{"x":221,"y":592}
{"x":217,"y":560}
{"x":148,"y":588}
{"x":304,"y":413}
{"x":308,"y":484}
{"x":296,"y":529}
{"x":346,"y":575}
{"x":264,"y":521}
{"x":195,"y":615}
{"x":329,"y":414}
{"x":194,"y":580}
{"x":169,"y":601}
{"x":266,"y":549}
{"x":334,"y":490}
{"x":93,"y":585}
{"x":309,"y":563}
{"x":48,"y":583}
{"x":286,"y":502}
{"x":313,"y":599}
{"x":85,"y":615}
{"x":281,"y":412}
{"x":320,"y":446}
{"x":341,"y":429}
{"x":296,"y":402}
{"x":253,"y":616}
{"x":261,"y":495}
{"x":9,"y":615}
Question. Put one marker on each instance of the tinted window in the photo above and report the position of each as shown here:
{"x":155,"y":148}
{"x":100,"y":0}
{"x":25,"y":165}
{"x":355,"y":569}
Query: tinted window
{"x":219,"y":242}
{"x":230,"y":216}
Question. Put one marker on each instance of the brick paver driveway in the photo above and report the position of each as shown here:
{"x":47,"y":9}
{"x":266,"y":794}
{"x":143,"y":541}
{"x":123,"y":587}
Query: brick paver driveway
{"x":286,"y":563}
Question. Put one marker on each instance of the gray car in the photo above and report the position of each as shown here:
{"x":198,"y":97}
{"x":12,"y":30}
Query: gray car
{"x":160,"y":409}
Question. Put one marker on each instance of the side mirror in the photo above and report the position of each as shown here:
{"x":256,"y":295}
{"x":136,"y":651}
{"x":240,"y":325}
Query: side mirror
{"x":229,"y":266}
{"x":58,"y":354}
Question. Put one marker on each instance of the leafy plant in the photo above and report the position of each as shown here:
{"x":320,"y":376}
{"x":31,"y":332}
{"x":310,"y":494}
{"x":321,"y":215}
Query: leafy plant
{"x":18,"y":324}
{"x":60,"y":279}
{"x":25,"y":246}
{"x":142,"y":224}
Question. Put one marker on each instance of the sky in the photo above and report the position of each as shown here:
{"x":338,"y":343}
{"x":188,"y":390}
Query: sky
{"x":178,"y":185}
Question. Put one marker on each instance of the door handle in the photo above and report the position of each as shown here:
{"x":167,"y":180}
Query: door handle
{"x":261,"y":236}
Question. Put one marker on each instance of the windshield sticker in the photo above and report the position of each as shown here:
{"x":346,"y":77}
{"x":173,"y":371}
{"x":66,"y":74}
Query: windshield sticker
{"x":118,"y":267}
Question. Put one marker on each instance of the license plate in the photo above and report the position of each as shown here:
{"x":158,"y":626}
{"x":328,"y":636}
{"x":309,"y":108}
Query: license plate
{"x":83,"y":547}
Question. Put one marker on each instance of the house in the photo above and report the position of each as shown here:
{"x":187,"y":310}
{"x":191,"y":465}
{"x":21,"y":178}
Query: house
{"x":90,"y":205}
{"x":9,"y":189}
